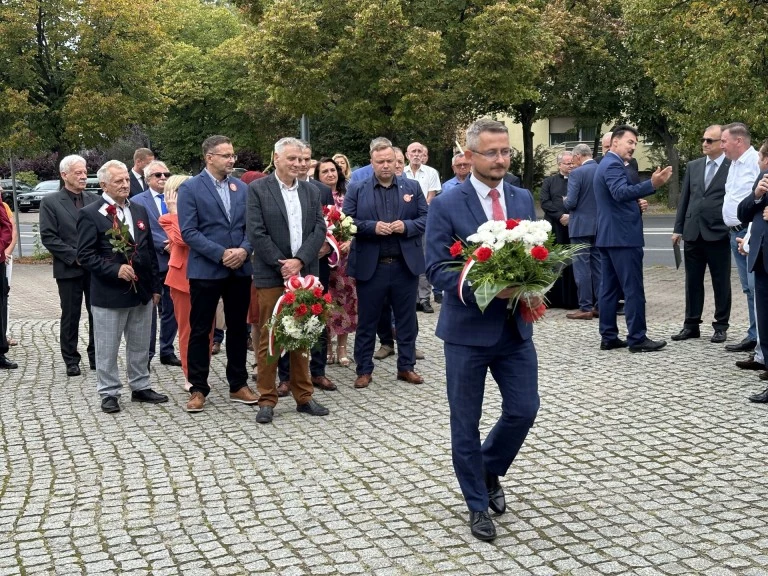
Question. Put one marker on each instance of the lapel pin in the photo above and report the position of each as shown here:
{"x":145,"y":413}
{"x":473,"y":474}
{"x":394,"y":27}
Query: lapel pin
{"x":232,"y":187}
{"x":407,"y":197}
{"x":140,"y":225}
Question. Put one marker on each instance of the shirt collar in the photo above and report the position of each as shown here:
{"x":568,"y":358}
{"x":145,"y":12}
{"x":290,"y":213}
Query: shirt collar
{"x":718,"y":161}
{"x":482,"y":188}
{"x":217,"y":183}
{"x":284,"y":187}
{"x":744,"y":157}
{"x":108,"y":199}
{"x":155,"y":192}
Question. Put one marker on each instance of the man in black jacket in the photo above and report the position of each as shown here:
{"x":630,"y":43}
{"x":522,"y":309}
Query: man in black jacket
{"x":124,"y":285}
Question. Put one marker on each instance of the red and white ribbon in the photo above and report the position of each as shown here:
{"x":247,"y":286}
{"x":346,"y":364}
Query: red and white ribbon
{"x":308,"y":282}
{"x":335,"y":256}
{"x":463,"y":276}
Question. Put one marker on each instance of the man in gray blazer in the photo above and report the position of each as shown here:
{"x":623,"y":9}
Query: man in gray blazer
{"x":286,"y":228}
{"x":700,"y":225}
{"x":58,"y":233}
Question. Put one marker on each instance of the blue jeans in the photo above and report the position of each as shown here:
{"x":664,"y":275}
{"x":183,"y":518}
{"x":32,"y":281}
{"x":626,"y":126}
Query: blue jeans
{"x":747,"y":282}
{"x":586,"y":271}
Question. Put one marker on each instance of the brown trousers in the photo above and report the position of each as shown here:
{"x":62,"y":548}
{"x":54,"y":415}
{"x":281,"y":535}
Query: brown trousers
{"x":301,"y":385}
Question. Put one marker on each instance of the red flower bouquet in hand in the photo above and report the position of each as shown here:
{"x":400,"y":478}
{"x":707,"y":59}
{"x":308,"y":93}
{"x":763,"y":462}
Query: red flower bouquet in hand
{"x":120,"y":239}
{"x":340,"y":228}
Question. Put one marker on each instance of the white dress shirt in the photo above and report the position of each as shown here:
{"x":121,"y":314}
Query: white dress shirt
{"x":123,"y":214}
{"x":741,"y":178}
{"x":485,"y":199}
{"x":156,"y":198}
{"x":427,"y":177}
{"x":293,"y":209}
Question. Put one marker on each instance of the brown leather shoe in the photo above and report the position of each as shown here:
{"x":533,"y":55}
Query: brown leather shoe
{"x":323,"y":383}
{"x":245,"y":396}
{"x":363,"y":380}
{"x":283,"y":389}
{"x":580,"y":315}
{"x":595,"y":313}
{"x":196,"y":402}
{"x":410,"y":376}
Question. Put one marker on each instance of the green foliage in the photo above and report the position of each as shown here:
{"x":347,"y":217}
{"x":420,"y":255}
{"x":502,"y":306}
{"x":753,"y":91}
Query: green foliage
{"x":38,"y":250}
{"x":29,"y":178}
{"x":542,"y":160}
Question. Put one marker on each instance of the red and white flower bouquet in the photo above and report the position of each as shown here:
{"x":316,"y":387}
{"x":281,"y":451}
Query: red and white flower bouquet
{"x":340,"y":228}
{"x":517,"y":254}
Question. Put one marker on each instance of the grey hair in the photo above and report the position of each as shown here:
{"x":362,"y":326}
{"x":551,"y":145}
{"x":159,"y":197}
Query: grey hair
{"x":380,"y":143}
{"x":738,"y":129}
{"x":483,"y":125}
{"x":397,"y":150}
{"x":713,"y":127}
{"x":104,"y":175}
{"x":283,"y":143}
{"x":582,"y":150}
{"x":149,"y":168}
{"x":456,"y":158}
{"x":68,"y":161}
{"x":562,"y":155}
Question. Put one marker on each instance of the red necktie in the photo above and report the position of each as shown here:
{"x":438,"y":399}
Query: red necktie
{"x":497,"y":210}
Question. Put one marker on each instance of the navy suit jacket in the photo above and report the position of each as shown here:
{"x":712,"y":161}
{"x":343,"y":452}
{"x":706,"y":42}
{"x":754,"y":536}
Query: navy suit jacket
{"x":95,"y":255}
{"x":207,"y":230}
{"x":359,"y":203}
{"x":159,"y":237}
{"x":619,"y":220}
{"x":580,"y":201}
{"x":453,"y":215}
{"x":751,"y":210}
{"x":136,"y":186}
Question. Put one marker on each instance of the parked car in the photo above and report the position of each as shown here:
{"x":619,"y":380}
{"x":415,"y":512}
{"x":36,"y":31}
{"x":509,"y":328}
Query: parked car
{"x":92,"y":185}
{"x":7,"y":185}
{"x":31,"y":200}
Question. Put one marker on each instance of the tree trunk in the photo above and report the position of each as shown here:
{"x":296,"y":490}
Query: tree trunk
{"x":526,"y":115}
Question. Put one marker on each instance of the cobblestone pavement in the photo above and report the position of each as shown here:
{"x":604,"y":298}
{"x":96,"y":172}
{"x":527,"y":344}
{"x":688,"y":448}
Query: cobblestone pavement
{"x":639,"y":464}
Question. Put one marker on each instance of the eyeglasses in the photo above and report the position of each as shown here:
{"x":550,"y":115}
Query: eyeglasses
{"x":492,"y":154}
{"x":462,"y":165}
{"x":225,"y":156}
{"x":161,"y":174}
{"x":709,"y":140}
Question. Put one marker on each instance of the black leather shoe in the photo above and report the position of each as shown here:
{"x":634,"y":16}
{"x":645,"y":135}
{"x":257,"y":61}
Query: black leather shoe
{"x":719,"y":337}
{"x":613,"y":344}
{"x":109,"y":405}
{"x":313,"y":408}
{"x":496,"y":499}
{"x":438,"y":297}
{"x":6,"y":364}
{"x":686,"y":333}
{"x":750,"y":364}
{"x":148,"y":395}
{"x":481,"y":526}
{"x":763,"y":376}
{"x":73,"y":370}
{"x":92,"y":365}
{"x":265,"y":415}
{"x":761,"y":398}
{"x":425,"y":306}
{"x":648,"y":345}
{"x":745,"y":345}
{"x":171,"y":360}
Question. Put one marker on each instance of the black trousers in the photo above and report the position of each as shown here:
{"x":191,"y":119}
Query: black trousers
{"x":4,"y":289}
{"x":71,"y":292}
{"x":235,"y":291}
{"x":698,"y":255}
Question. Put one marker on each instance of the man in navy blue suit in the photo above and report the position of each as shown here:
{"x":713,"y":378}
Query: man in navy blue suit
{"x":153,"y":200}
{"x":474,"y":342}
{"x":582,"y":223}
{"x":386,"y":258}
{"x":212,"y":218}
{"x":754,"y":209}
{"x":620,"y":240}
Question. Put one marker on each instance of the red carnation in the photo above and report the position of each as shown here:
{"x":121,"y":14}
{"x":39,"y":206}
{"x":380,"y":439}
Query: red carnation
{"x":301,"y":310}
{"x":456,"y":248}
{"x":512,"y":223}
{"x":317,"y":292}
{"x":326,"y":210}
{"x":327,"y":298}
{"x":317,"y":309}
{"x":483,"y":253}
{"x":289,"y":298}
{"x":111,"y":209}
{"x":539,"y":252}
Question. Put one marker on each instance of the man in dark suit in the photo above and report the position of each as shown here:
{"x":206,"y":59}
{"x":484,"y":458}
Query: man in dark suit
{"x":286,"y":229}
{"x":58,"y":233}
{"x":754,"y":209}
{"x":582,"y":224}
{"x":620,"y":240}
{"x":141,"y":158}
{"x":699,"y":223}
{"x":124,"y":286}
{"x":153,"y":201}
{"x":386,"y":259}
{"x":212,"y":218}
{"x":474,"y":342}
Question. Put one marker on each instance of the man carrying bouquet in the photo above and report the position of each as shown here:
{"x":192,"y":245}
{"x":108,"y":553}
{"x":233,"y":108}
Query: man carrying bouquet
{"x":475,"y":341}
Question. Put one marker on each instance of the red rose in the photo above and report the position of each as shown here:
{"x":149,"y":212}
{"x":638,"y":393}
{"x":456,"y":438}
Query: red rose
{"x":289,"y":298}
{"x":111,"y":210}
{"x":327,"y":298}
{"x":326,"y":210}
{"x":317,"y":292}
{"x":512,"y":223}
{"x":456,"y":248}
{"x":317,"y":309}
{"x":539,"y":252}
{"x":301,"y":310}
{"x":483,"y":253}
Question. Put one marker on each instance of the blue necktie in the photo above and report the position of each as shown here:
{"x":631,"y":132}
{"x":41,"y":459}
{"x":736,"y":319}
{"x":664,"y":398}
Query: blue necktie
{"x":163,"y":207}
